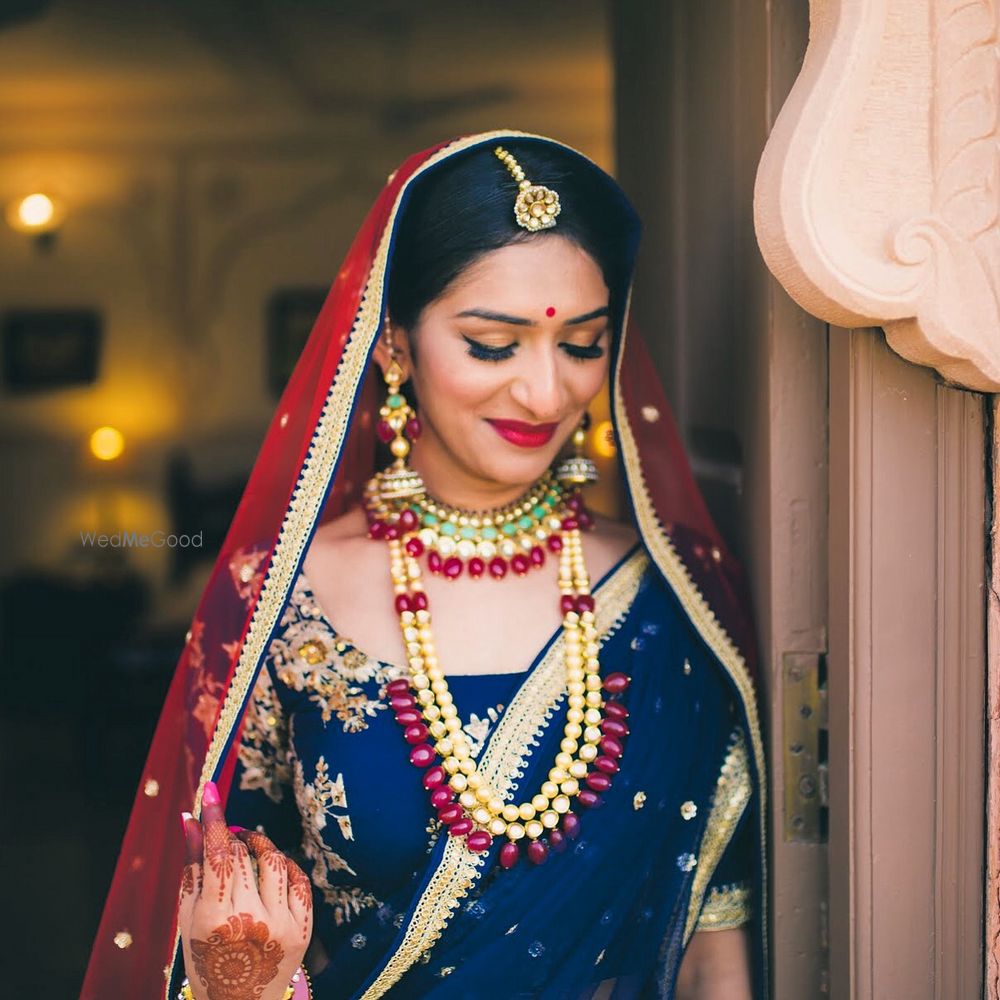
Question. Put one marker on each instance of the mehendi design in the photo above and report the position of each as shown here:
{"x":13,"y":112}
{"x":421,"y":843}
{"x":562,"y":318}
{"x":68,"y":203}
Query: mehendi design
{"x":238,"y":960}
{"x":219,"y":854}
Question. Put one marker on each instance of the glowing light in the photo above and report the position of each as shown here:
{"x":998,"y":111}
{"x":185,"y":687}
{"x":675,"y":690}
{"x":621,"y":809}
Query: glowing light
{"x":602,"y":439}
{"x":107,"y":443}
{"x":36,"y":211}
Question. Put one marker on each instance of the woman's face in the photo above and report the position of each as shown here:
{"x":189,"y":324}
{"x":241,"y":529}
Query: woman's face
{"x":507,"y":361}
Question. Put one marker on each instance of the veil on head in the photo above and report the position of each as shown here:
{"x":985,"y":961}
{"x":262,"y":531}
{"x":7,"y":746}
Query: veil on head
{"x":312,"y":466}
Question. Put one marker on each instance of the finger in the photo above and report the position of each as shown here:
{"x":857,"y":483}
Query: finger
{"x":219,"y":856}
{"x":300,"y":902}
{"x":191,"y":874}
{"x":244,"y":892}
{"x":272,"y":874}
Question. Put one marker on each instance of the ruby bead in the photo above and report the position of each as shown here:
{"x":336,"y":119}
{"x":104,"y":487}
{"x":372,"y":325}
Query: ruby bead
{"x":537,"y":555}
{"x":452,"y":567}
{"x":402,"y":603}
{"x":435,"y":777}
{"x":451,"y":813}
{"x":554,"y":542}
{"x":401,"y":701}
{"x":391,"y":531}
{"x":461,"y":828}
{"x":615,"y":709}
{"x":557,"y":841}
{"x":377,"y":530}
{"x":611,"y":746}
{"x":567,"y":603}
{"x":520,"y":563}
{"x":441,"y":796}
{"x":434,"y":562}
{"x":416,"y":733}
{"x":384,"y":431}
{"x":409,"y":716}
{"x":614,"y":727}
{"x":616,"y":683}
{"x":399,"y":686}
{"x":571,"y":825}
{"x":422,"y":755}
{"x":479,"y":841}
{"x":569,"y":523}
{"x":598,"y":781}
{"x":509,"y":854}
{"x":408,"y":520}
{"x":476,"y":566}
{"x":498,"y":567}
{"x":589,"y":799}
{"x":413,"y":428}
{"x":585,"y":602}
{"x":585,"y":519}
{"x":537,"y":852}
{"x":418,"y":600}
{"x":607,"y":765}
{"x":414,"y":547}
{"x":574,"y":501}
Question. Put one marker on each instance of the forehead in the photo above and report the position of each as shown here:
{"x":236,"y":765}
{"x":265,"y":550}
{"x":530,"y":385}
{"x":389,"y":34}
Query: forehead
{"x":542,"y":272}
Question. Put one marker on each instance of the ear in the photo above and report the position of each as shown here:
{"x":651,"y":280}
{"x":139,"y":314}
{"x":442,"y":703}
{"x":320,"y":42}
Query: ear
{"x":401,"y":343}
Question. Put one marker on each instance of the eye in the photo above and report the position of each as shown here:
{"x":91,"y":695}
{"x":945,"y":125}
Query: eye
{"x":583,"y":352}
{"x":484,"y":353}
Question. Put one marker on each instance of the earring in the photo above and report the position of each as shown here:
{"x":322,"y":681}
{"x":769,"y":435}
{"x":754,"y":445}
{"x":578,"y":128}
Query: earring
{"x":398,"y":419}
{"x":578,"y":469}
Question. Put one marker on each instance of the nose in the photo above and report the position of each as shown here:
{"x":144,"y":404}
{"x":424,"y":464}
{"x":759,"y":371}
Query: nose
{"x":538,"y":387}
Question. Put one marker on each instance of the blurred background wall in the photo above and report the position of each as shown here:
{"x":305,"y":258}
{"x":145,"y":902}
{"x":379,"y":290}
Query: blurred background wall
{"x":207,"y":163}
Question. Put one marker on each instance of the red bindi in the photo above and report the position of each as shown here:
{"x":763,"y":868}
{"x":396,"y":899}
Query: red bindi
{"x":551,"y":311}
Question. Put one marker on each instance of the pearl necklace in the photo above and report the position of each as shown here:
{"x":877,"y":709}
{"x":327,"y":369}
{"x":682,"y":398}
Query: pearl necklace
{"x":593,"y":734}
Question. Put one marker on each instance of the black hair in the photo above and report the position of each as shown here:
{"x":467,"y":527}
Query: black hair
{"x":464,"y":208}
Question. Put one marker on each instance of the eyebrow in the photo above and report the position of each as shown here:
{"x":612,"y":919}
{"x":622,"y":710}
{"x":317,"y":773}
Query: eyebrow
{"x":499,"y":317}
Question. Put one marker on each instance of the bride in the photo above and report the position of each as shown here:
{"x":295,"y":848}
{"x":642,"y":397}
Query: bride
{"x":440,"y":729}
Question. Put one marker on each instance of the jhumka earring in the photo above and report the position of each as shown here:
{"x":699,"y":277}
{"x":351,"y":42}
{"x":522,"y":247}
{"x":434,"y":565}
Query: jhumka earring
{"x":578,"y":469}
{"x":397,"y":420}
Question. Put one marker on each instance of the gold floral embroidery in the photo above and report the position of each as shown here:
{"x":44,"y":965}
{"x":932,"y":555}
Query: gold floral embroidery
{"x":247,"y":576}
{"x":725,"y":907}
{"x":316,"y":801}
{"x":732,"y":793}
{"x":264,"y":746}
{"x":309,"y":656}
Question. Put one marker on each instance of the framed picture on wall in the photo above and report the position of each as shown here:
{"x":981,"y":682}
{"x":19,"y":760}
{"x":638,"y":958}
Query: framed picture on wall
{"x":290,"y":317}
{"x":50,"y":348}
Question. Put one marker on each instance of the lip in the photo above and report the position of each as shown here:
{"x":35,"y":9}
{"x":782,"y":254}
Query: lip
{"x":522,"y":434}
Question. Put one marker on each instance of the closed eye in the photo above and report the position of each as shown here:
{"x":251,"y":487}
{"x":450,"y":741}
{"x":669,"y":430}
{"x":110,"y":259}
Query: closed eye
{"x":483,"y":352}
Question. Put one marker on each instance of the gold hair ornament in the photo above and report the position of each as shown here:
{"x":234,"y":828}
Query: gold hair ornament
{"x":535,"y":207}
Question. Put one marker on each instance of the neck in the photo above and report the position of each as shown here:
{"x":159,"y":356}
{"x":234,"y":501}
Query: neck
{"x":450,"y":484}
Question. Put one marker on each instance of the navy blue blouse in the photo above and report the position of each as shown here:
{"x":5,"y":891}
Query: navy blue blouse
{"x":351,"y":809}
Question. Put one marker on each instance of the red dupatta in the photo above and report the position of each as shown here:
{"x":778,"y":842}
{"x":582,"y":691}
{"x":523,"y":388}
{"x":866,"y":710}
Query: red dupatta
{"x":315,"y":458}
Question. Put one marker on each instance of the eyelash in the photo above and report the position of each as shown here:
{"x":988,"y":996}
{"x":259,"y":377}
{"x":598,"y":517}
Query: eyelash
{"x":481,"y":352}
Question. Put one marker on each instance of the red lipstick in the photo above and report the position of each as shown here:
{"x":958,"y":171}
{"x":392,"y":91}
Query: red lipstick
{"x":522,"y":434}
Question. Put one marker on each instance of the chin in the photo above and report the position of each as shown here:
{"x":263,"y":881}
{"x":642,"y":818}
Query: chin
{"x":519,"y":467}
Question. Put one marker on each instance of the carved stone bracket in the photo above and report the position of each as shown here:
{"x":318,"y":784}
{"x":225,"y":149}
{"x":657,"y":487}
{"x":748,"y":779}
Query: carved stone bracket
{"x":877,"y":196}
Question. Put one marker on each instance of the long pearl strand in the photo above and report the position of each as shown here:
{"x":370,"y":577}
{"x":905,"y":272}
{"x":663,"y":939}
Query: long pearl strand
{"x":593,"y":734}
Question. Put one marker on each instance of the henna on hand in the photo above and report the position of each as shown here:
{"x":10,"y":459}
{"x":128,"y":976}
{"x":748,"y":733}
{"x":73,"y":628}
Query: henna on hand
{"x":238,"y":960}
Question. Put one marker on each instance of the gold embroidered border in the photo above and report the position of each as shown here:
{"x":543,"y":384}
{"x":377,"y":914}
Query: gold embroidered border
{"x":727,"y":906}
{"x":501,"y":763}
{"x":693,"y":601}
{"x":732,"y":793}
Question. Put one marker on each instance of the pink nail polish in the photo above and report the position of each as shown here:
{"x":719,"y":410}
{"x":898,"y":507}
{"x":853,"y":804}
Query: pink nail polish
{"x":236,"y":829}
{"x":185,"y":816}
{"x":210,"y":795}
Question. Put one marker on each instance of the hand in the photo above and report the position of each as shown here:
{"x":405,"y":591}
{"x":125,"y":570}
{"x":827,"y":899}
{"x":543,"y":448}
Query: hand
{"x":243,"y":935}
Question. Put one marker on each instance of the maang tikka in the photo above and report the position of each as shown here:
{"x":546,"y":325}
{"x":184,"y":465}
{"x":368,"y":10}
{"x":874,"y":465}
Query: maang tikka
{"x":397,"y":420}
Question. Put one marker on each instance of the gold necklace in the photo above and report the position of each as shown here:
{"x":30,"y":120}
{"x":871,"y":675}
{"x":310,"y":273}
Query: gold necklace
{"x":593,"y":734}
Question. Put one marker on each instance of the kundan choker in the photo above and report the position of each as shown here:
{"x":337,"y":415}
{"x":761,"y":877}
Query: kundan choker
{"x":595,"y":728}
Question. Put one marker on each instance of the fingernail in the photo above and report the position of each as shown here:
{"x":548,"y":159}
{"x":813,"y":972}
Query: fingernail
{"x":185,"y":816}
{"x":210,"y":795}
{"x":236,"y":829}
